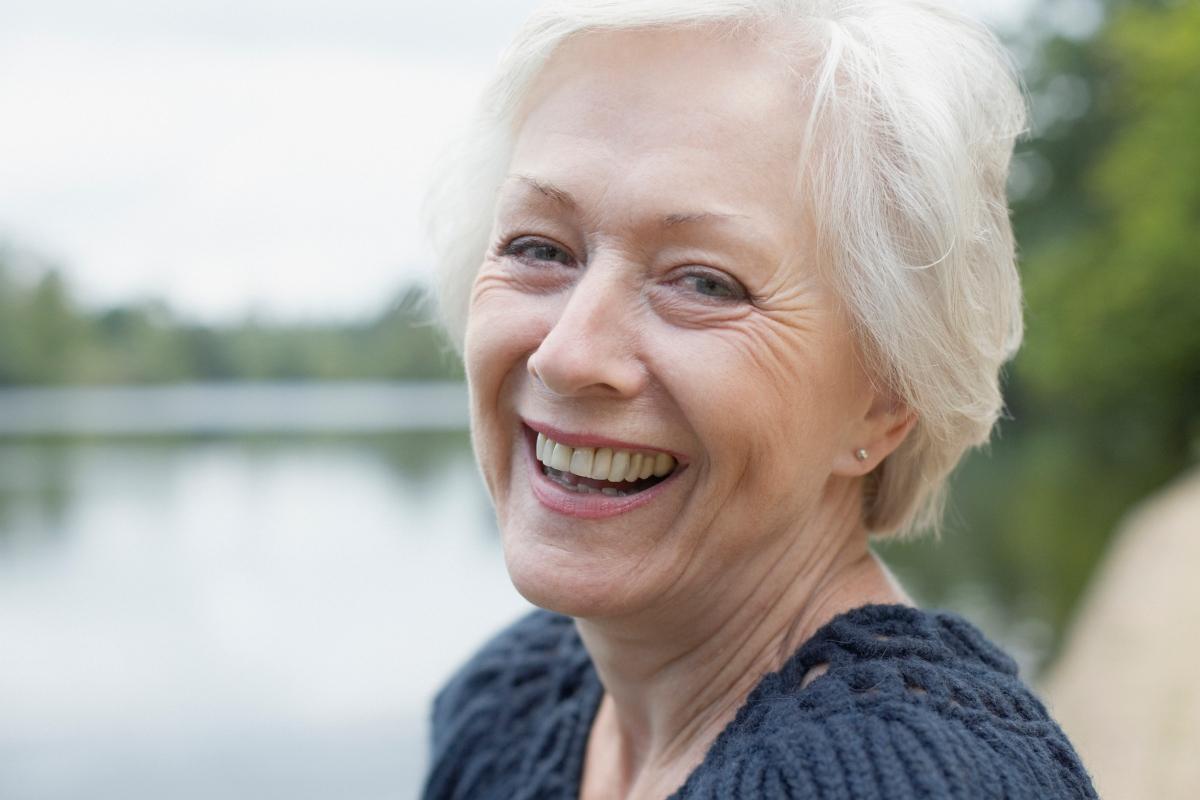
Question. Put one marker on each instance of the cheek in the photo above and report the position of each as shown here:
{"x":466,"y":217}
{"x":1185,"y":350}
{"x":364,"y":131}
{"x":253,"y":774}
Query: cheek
{"x":769,"y":406}
{"x":503,"y":328}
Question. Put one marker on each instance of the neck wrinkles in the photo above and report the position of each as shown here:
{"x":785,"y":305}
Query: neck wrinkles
{"x":675,"y":681}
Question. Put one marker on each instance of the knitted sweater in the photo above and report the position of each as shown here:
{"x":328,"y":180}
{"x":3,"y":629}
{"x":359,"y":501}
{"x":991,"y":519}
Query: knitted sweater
{"x":914,"y":705}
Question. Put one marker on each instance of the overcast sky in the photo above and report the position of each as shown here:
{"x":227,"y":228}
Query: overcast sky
{"x":263,"y":156}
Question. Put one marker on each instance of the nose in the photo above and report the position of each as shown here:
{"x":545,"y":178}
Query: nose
{"x":591,"y":349}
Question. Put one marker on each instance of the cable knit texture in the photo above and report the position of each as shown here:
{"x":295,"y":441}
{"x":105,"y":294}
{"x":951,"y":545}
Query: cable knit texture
{"x":914,"y":705}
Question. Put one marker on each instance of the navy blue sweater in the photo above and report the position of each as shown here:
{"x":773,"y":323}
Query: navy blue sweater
{"x":914,"y":705}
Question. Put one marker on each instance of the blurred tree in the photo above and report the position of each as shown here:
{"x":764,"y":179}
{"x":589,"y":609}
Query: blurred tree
{"x":47,"y":339}
{"x":13,"y":354}
{"x":1113,"y":356}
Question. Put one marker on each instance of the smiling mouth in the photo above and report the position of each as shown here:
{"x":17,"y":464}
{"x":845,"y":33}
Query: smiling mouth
{"x":601,"y":470}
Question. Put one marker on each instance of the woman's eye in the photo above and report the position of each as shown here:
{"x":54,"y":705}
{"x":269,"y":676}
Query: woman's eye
{"x":713,"y":287}
{"x":531,"y":249}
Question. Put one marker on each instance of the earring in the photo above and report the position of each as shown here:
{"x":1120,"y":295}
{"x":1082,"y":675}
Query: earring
{"x":861,"y":454}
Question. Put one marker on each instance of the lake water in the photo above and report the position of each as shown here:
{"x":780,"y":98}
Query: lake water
{"x":199,"y":613}
{"x":236,"y":618}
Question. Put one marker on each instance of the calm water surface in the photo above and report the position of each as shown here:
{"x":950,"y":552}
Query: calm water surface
{"x":230,"y":619}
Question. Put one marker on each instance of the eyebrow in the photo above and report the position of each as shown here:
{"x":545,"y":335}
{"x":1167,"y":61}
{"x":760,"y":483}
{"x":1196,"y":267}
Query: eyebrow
{"x":560,"y":196}
{"x":563,"y":198}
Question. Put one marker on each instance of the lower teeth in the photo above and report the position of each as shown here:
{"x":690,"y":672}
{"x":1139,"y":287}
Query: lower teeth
{"x":564,"y":479}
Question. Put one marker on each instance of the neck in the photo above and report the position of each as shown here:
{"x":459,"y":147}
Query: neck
{"x":675,"y":678}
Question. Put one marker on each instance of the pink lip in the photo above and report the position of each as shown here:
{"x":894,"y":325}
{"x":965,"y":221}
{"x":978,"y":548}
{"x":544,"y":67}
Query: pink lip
{"x":585,"y":506}
{"x":588,"y":440}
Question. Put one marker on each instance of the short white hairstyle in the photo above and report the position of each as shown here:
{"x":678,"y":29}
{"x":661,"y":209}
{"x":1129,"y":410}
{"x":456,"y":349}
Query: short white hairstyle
{"x":913,"y":110}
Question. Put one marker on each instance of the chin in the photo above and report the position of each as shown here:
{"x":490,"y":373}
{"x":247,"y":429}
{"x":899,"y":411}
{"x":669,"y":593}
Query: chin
{"x":576,"y":584}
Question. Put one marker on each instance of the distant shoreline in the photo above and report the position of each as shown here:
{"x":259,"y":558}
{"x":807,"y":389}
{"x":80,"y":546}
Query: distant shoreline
{"x":233,"y":408}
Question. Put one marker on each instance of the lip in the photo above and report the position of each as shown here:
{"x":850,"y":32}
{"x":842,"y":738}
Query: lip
{"x":586,"y":506}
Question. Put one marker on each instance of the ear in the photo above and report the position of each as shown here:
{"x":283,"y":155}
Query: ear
{"x":879,"y":432}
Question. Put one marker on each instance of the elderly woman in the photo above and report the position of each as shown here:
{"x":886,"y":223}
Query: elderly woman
{"x":733,"y":282}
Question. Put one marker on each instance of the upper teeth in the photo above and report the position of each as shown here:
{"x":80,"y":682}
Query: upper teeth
{"x":602,"y":463}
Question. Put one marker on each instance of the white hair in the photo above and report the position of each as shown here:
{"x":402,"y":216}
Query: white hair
{"x":913,"y":112}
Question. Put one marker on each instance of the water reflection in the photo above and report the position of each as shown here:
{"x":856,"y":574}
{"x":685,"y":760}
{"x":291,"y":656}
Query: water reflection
{"x":231,"y":619}
{"x":32,"y":483}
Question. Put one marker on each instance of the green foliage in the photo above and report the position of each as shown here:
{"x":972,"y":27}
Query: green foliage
{"x":46,"y":339}
{"x":1116,"y":304}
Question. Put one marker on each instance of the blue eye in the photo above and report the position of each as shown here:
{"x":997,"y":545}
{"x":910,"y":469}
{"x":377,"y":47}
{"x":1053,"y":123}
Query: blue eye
{"x":529,"y":248}
{"x":713,"y":287}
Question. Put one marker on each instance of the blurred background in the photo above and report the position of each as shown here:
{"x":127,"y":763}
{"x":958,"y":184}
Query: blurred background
{"x":242,"y":539}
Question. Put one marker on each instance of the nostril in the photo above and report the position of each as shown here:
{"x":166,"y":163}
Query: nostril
{"x":532,"y":369}
{"x":548,"y":369}
{"x":567,"y":366}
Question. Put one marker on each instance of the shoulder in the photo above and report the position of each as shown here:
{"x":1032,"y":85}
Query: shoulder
{"x":518,"y":662}
{"x":914,"y":704}
{"x":499,"y":701}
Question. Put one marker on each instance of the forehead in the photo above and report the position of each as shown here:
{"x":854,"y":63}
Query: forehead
{"x":698,"y":112}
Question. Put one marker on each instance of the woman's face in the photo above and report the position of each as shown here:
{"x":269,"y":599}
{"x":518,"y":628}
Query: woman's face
{"x":650,"y":289}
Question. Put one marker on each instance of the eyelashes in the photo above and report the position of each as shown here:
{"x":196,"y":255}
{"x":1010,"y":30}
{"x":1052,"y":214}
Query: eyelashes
{"x":711,"y":285}
{"x":705,"y":283}
{"x":532,"y":249}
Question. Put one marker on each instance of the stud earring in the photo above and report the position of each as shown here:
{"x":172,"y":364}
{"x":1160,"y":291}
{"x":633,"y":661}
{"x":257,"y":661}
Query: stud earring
{"x":861,"y":454}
